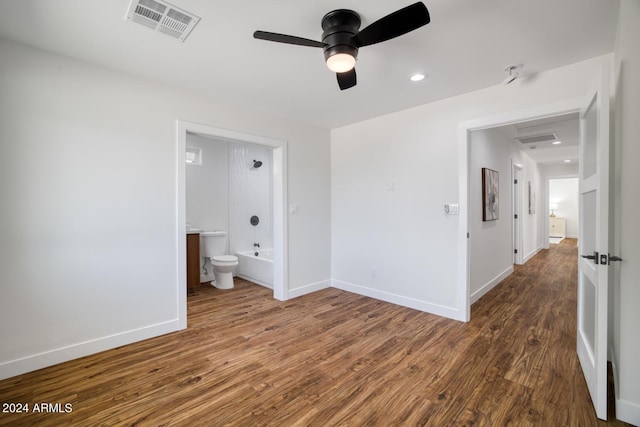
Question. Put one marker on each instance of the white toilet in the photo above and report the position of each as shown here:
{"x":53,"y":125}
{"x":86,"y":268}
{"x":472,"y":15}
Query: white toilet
{"x":213,"y":245}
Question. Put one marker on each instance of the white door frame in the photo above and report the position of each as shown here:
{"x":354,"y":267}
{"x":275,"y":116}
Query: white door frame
{"x":464,"y":139}
{"x":280,"y":277}
{"x":517,"y":198}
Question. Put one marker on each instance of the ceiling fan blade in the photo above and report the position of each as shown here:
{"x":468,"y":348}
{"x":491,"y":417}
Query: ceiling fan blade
{"x":283,"y":38}
{"x":347,"y":79}
{"x":393,"y":25}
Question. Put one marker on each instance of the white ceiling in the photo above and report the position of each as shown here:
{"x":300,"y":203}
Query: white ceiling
{"x":466,"y":47}
{"x":567,"y":129}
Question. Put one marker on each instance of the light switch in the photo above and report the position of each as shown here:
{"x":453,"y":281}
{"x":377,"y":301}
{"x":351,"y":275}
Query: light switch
{"x":293,"y":208}
{"x":451,"y":209}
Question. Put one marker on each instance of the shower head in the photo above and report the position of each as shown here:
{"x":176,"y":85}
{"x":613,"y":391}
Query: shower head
{"x":257,"y":164}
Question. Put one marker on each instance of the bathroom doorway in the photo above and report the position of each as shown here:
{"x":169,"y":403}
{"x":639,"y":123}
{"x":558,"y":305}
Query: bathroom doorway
{"x":277,"y":218}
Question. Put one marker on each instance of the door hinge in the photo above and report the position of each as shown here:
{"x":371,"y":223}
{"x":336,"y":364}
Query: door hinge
{"x":515,"y":251}
{"x":467,"y":235}
{"x":515,"y":181}
{"x":515,"y":216}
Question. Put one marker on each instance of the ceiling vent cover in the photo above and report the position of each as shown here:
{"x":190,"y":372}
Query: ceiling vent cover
{"x":537,"y":138}
{"x":162,"y":16}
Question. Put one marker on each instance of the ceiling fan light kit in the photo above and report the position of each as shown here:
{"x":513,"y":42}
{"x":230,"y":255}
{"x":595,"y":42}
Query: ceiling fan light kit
{"x":339,"y":28}
{"x":341,"y":62}
{"x":341,"y":38}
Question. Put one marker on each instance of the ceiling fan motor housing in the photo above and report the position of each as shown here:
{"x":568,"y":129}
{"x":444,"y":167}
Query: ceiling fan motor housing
{"x":339,"y":27}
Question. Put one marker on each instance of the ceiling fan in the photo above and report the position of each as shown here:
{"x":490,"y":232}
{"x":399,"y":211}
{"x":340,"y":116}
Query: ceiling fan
{"x":341,"y":37}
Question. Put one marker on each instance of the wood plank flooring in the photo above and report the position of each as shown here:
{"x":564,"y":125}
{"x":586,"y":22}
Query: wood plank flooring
{"x":335,"y":358}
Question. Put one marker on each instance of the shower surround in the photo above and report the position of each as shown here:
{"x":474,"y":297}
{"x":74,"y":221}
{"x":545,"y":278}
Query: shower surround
{"x":250,"y":194}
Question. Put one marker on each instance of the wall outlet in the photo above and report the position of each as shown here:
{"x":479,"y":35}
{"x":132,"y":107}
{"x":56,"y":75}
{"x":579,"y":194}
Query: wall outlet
{"x":293,"y":208}
{"x":373,"y":272}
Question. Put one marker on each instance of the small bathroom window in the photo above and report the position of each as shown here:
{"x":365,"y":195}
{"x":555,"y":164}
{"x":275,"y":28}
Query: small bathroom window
{"x":193,"y":156}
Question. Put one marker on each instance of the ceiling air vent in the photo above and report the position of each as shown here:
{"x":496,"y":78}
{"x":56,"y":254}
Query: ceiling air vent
{"x":162,"y":16}
{"x":537,"y":138}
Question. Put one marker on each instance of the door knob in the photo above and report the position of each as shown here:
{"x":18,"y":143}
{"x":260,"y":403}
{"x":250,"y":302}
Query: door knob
{"x":614,"y":258}
{"x":594,"y":257}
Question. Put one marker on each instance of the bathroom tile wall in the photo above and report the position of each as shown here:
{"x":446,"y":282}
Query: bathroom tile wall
{"x":250,"y":193}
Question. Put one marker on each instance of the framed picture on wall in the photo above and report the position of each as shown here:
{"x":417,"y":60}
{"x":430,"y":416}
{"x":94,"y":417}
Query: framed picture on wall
{"x":532,"y":199}
{"x":490,"y":195}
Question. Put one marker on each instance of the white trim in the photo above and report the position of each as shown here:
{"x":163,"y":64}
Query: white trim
{"x":533,"y":253}
{"x":517,"y":200}
{"x":629,"y":412}
{"x":280,"y":277}
{"x":416,"y":304}
{"x":491,"y":284}
{"x":463,"y":278}
{"x":181,"y":223}
{"x":75,"y":351}
{"x":307,"y":289}
{"x":464,"y":130}
{"x":626,"y":411}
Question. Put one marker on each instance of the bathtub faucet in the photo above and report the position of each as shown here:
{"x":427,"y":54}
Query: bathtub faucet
{"x":256,"y":245}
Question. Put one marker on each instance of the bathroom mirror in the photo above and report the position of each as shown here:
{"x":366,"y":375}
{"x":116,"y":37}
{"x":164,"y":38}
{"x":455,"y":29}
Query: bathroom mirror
{"x":254,"y":220}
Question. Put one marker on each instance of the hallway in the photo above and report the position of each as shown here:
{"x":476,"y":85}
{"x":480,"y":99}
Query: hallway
{"x":336,"y":358}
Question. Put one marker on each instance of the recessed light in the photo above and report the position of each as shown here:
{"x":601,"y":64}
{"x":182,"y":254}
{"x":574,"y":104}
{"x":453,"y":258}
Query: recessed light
{"x":417,"y":77}
{"x":567,"y":161}
{"x":556,"y":142}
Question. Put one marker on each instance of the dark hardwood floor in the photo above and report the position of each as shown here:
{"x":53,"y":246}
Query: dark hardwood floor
{"x":335,"y":358}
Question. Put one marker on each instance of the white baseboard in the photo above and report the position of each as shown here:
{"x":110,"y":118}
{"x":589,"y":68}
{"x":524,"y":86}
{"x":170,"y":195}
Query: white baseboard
{"x":53,"y":357}
{"x":491,"y":284}
{"x":307,"y":289}
{"x":626,"y":411}
{"x":532,"y":254}
{"x":413,"y":303}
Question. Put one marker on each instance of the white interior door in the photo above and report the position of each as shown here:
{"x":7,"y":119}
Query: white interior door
{"x":593,"y":241}
{"x":517,"y":214}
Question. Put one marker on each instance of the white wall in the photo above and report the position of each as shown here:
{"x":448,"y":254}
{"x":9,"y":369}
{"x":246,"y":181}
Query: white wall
{"x":626,"y":346}
{"x":564,"y":193}
{"x":404,"y":233}
{"x":491,"y":242}
{"x":207,"y":185}
{"x":88,"y":219}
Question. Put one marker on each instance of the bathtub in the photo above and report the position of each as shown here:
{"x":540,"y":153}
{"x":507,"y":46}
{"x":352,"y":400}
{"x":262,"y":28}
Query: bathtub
{"x":257,"y":269}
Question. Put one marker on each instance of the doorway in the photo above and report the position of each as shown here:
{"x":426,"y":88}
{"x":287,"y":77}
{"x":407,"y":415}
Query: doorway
{"x":279,"y":226}
{"x":563,"y":208}
{"x":465,"y":229}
